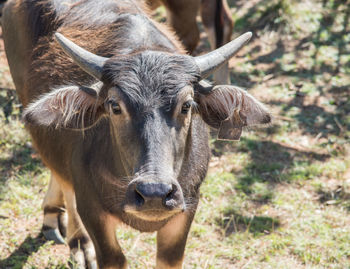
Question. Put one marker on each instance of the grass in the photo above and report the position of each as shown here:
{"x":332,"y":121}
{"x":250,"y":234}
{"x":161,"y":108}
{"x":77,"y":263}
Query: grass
{"x":279,"y":198}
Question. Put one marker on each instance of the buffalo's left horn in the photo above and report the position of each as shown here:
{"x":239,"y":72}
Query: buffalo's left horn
{"x":89,"y":62}
{"x":211,"y":61}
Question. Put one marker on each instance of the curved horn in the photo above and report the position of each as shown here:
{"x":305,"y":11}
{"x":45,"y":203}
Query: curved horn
{"x":89,"y":62}
{"x":211,"y":61}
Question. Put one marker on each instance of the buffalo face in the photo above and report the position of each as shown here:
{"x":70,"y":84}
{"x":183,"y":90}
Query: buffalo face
{"x":151,"y":100}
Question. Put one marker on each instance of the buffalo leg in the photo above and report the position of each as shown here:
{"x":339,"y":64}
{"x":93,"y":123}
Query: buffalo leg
{"x":181,"y":15}
{"x":101,"y":227}
{"x":55,"y":217}
{"x":81,"y":248}
{"x":218,"y":24}
{"x":171,"y":241}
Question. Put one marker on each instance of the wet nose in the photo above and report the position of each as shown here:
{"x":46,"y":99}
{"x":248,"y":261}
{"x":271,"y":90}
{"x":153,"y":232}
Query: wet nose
{"x":153,"y":190}
{"x":156,"y":196}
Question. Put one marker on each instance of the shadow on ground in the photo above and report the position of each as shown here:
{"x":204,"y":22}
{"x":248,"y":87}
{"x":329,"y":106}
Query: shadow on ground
{"x":8,"y":101}
{"x":270,"y":164}
{"x":19,"y":162}
{"x":234,"y":222}
{"x":19,"y":257}
{"x":313,"y":118}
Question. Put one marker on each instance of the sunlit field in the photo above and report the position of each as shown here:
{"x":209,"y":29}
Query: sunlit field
{"x":278,"y":198}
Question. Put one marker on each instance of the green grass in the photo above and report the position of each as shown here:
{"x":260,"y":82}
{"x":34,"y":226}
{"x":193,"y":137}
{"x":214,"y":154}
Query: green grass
{"x":279,"y":198}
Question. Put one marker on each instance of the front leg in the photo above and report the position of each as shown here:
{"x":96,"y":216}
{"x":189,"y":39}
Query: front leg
{"x":171,"y":241}
{"x":81,"y":249}
{"x":101,"y":227}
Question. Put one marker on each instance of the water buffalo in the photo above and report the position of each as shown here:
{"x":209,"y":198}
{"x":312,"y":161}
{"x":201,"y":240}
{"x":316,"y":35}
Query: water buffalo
{"x":119,"y":113}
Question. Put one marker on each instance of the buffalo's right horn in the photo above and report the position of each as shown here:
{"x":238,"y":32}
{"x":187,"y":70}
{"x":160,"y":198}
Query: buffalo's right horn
{"x":89,"y":62}
{"x":211,"y":61}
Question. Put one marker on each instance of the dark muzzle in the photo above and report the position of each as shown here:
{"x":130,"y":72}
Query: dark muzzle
{"x":143,"y":197}
{"x":156,"y":195}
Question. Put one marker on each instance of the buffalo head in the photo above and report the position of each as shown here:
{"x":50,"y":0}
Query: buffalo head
{"x":152,"y":100}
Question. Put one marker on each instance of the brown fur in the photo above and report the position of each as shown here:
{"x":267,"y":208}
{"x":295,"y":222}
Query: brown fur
{"x":96,"y":169}
{"x":223,"y":101}
{"x":75,"y":108}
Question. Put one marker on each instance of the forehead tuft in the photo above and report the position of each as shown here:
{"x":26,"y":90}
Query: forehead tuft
{"x":150,"y":78}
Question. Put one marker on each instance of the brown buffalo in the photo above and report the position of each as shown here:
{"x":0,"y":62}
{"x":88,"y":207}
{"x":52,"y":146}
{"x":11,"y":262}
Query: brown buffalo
{"x":119,"y":114}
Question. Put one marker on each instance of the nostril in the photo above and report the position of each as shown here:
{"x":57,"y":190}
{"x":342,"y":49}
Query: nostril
{"x":170,"y":198}
{"x":171,"y":192}
{"x":139,"y":199}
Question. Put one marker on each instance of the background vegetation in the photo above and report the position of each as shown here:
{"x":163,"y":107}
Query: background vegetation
{"x":279,"y":198}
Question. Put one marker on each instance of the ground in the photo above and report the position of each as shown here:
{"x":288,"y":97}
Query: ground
{"x":279,"y":198}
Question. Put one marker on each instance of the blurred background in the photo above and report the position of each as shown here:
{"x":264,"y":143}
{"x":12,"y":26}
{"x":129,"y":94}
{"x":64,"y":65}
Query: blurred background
{"x":279,"y":198}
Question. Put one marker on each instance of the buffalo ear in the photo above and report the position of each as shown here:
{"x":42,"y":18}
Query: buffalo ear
{"x":72,"y":107}
{"x":229,"y":108}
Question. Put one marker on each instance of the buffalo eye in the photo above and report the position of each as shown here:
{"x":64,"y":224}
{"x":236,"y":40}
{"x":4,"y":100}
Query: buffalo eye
{"x":186,"y":107}
{"x":115,"y":107}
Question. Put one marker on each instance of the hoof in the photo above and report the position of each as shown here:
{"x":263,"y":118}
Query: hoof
{"x":93,"y":265}
{"x":79,"y":260}
{"x":53,"y":235}
{"x":82,"y":253}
